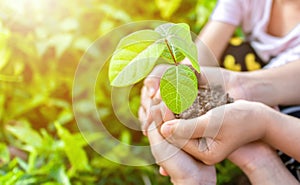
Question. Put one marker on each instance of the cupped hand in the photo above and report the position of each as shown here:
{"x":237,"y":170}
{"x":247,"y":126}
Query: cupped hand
{"x":181,"y":167}
{"x":214,"y":136}
{"x":232,"y":82}
{"x":150,"y":95}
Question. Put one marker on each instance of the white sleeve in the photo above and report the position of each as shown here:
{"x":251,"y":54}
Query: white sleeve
{"x":229,"y":11}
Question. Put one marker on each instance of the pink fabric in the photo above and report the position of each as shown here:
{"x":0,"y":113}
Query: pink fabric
{"x":253,"y":16}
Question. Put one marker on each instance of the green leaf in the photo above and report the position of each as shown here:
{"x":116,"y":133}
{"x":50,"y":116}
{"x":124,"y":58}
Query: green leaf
{"x":4,"y":154}
{"x":36,"y":101}
{"x":135,"y":57}
{"x":179,"y":40}
{"x":26,"y":134}
{"x":74,"y":151}
{"x":60,"y":175}
{"x":178,"y":88}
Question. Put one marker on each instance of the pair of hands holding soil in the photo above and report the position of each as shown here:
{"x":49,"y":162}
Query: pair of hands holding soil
{"x":186,"y":150}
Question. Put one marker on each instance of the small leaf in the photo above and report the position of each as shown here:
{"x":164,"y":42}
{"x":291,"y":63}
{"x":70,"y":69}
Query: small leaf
{"x":59,"y":174}
{"x":26,"y":134}
{"x":4,"y":154}
{"x":74,"y":151}
{"x":135,"y":57}
{"x":179,"y":39}
{"x":178,"y":88}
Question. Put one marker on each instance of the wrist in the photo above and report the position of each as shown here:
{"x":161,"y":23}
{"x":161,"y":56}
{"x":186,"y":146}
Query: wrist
{"x":265,"y":167}
{"x":260,"y":89}
{"x":260,"y":163}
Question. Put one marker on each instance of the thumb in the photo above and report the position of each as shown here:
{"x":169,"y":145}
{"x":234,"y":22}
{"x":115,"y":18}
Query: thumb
{"x":188,"y":135}
{"x":185,"y":129}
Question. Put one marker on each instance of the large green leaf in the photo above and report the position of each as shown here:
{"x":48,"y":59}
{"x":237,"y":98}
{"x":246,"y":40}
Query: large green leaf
{"x":135,"y":57}
{"x":178,"y":88}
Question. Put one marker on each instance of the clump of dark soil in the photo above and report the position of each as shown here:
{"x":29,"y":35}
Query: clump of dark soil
{"x":208,"y":98}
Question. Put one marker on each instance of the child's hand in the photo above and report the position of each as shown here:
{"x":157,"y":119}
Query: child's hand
{"x":181,"y":167}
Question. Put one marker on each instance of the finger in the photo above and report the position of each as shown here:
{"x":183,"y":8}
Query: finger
{"x":159,"y":113}
{"x":163,"y":172}
{"x":187,"y":129}
{"x":152,"y":85}
{"x":173,"y":161}
{"x":143,"y":120}
{"x":276,"y":108}
{"x":153,"y":79}
{"x":157,"y":95}
{"x":160,"y":148}
{"x":166,"y":113}
{"x":154,"y":137}
{"x":147,"y":103}
{"x":155,"y":114}
{"x":145,"y":99}
{"x":203,"y":149}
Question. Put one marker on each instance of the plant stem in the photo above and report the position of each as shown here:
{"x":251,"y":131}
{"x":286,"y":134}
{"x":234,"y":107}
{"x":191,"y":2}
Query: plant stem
{"x":169,"y":48}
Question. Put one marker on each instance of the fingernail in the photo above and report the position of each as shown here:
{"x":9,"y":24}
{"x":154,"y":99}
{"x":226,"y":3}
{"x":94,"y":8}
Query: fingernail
{"x":144,"y":133}
{"x":163,"y":171}
{"x":151,"y":91}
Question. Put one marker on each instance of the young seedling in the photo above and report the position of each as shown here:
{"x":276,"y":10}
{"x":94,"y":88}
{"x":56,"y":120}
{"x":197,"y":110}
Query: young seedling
{"x":138,"y":53}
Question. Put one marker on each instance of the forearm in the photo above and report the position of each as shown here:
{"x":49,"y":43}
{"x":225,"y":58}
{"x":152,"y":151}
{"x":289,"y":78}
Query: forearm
{"x":212,"y":42}
{"x":269,"y":171}
{"x":202,"y":175}
{"x":277,"y":86}
{"x":283,"y":133}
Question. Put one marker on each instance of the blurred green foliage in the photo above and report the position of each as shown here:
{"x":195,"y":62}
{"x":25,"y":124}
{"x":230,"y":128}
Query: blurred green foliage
{"x":41,"y":43}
